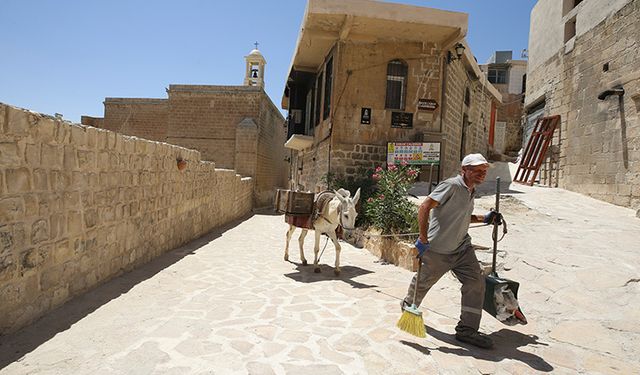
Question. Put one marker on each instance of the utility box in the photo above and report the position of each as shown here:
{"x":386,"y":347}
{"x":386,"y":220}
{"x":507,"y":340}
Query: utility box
{"x":294,"y":202}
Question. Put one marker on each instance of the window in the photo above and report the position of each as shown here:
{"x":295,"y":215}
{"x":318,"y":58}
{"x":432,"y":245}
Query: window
{"x":467,"y":97}
{"x":328,"y":71}
{"x":318,"y":90}
{"x":568,"y":5}
{"x":570,"y":29}
{"x":308,"y":112}
{"x":497,"y":76}
{"x":396,"y":84}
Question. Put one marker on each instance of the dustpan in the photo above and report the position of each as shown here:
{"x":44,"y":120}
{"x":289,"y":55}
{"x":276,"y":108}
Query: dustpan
{"x":495,"y":283}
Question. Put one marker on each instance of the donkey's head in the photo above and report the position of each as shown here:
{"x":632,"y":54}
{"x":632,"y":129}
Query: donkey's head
{"x":347,"y":210}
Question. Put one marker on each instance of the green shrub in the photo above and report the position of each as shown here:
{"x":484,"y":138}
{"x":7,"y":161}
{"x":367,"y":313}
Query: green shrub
{"x":388,"y":208}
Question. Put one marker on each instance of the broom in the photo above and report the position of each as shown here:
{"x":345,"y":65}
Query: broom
{"x":411,"y":320}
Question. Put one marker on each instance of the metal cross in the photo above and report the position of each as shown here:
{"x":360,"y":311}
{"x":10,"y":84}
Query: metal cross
{"x":256,"y":44}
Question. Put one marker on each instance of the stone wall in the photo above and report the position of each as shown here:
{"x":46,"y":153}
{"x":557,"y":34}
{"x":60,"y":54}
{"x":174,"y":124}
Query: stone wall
{"x":144,"y":118}
{"x":311,"y":167}
{"x":598,"y":141}
{"x":478,"y":112}
{"x":210,"y":119}
{"x":80,"y":205}
{"x":96,"y":122}
{"x":205,"y":118}
{"x":510,"y":111}
{"x":352,"y":160}
{"x":271,"y":168}
{"x":361,"y":81}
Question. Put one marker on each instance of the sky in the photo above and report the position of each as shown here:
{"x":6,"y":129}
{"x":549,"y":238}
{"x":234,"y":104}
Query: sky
{"x":66,"y":56}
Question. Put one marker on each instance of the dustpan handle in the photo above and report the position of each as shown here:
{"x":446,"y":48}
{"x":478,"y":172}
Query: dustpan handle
{"x":495,"y":228}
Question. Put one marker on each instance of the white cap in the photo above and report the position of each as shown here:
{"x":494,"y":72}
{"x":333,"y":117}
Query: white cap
{"x":473,"y":160}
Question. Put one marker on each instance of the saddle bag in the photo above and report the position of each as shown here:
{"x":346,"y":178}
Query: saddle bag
{"x":294,"y":202}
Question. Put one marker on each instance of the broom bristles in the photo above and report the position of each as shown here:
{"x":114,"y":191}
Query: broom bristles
{"x":412,"y":323}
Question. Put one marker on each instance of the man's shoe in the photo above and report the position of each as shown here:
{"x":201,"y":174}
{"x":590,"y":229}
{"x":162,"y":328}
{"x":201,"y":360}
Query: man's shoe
{"x":476,"y":339}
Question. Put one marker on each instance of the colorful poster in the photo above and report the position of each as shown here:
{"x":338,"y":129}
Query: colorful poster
{"x":414,"y":153}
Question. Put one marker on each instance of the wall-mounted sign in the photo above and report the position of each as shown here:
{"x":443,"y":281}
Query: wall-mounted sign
{"x":402,"y":120}
{"x":427,"y":104}
{"x":365,"y":116}
{"x":415,"y":153}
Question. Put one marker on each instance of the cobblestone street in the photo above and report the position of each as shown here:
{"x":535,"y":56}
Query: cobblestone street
{"x":229,"y":303}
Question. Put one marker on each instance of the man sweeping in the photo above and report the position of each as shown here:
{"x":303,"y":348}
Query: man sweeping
{"x":445,"y":245}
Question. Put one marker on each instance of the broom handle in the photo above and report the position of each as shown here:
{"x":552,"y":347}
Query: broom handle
{"x":415,"y":288}
{"x":495,"y":228}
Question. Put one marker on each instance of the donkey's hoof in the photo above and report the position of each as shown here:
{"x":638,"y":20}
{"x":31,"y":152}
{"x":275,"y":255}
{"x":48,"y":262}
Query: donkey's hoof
{"x":336,"y":272}
{"x":304,"y":262}
{"x":316,"y":270}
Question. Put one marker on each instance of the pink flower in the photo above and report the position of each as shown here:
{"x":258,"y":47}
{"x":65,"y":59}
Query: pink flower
{"x":376,"y":176}
{"x":404,"y":163}
{"x":392,"y":167}
{"x":381,"y":196}
{"x":378,"y":169}
{"x":370,"y":200}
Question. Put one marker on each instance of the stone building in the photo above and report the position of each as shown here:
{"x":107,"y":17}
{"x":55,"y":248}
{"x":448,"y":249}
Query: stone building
{"x":508,"y":76}
{"x":365,"y":74}
{"x":237,"y":127}
{"x":584,"y":65}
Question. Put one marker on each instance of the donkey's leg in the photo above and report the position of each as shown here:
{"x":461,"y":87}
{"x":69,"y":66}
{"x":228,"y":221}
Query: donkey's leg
{"x":286,"y":247}
{"x":316,"y":249}
{"x":301,"y":243}
{"x":334,"y":239}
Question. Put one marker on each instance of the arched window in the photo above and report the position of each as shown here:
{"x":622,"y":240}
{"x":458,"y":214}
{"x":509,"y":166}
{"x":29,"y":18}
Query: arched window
{"x":396,"y":84}
{"x":467,"y":96}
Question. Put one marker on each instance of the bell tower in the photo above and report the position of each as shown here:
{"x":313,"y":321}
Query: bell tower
{"x":254,"y":75}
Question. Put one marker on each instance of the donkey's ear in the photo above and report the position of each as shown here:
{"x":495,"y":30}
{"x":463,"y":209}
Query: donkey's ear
{"x":344,"y":192}
{"x":356,"y":197}
{"x":340,"y":197}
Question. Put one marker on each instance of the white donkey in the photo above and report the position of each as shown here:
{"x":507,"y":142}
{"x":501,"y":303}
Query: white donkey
{"x":341,"y":210}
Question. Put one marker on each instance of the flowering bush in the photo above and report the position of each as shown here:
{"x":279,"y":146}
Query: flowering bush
{"x":388,"y":208}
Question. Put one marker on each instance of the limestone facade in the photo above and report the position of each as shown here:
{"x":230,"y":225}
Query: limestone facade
{"x":80,"y":205}
{"x":344,"y":70}
{"x":237,"y":127}
{"x":508,"y":76}
{"x":596,"y":150}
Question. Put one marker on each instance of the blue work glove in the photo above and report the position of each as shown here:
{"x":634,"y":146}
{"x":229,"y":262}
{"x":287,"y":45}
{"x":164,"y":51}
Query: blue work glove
{"x":422,"y":247}
{"x":491,"y":217}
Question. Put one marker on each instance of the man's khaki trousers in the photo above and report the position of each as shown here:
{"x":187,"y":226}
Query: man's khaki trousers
{"x":465,"y":267}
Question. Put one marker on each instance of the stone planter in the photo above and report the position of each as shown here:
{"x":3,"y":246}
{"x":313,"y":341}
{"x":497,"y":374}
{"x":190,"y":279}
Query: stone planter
{"x":392,"y":250}
{"x":402,"y":253}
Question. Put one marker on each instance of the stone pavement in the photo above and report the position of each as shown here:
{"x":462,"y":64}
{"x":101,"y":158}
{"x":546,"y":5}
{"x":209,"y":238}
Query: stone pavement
{"x":229,"y":303}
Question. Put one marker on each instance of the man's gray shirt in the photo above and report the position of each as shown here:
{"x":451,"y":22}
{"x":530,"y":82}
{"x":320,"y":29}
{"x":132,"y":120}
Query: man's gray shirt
{"x":449,"y":221}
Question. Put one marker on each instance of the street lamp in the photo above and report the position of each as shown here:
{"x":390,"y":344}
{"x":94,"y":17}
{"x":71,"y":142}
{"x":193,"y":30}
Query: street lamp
{"x":459,"y":48}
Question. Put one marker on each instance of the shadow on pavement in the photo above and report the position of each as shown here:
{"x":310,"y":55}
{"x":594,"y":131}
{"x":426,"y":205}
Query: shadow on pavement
{"x":416,"y":346}
{"x":15,"y":345}
{"x":506,"y":344}
{"x":305,"y":274}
